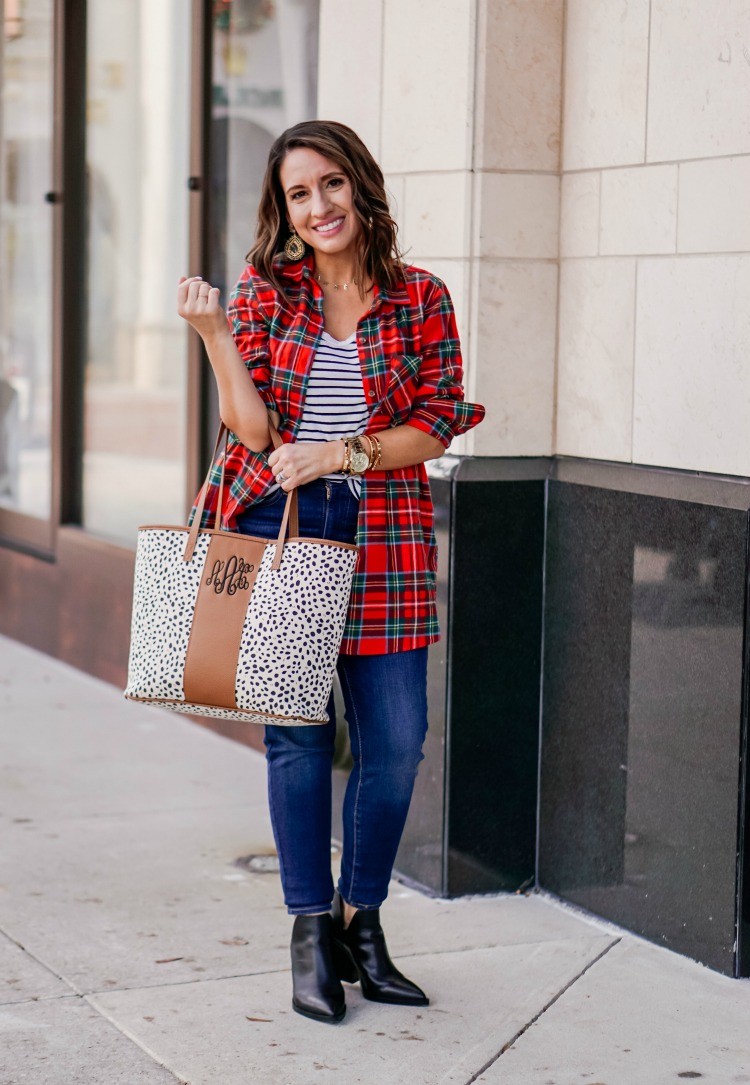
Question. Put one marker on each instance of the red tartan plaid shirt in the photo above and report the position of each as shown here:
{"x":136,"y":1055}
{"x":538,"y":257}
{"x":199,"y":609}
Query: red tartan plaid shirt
{"x":411,"y":370}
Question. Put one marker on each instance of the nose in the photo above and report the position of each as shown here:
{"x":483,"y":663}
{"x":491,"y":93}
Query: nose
{"x":321,"y":205}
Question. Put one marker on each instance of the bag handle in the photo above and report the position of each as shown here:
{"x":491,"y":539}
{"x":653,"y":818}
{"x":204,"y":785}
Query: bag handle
{"x":291,"y":513}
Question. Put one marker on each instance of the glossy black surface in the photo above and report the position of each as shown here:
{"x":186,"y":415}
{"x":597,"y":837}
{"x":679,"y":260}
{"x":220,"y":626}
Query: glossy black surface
{"x":643,"y":714}
{"x":496,"y":641}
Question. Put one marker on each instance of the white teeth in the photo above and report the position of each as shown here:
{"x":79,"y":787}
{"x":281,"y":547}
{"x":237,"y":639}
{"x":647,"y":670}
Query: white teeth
{"x":329,"y":226}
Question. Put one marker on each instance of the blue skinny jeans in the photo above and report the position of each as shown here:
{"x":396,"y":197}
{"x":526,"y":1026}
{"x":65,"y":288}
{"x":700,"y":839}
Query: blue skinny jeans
{"x":385,"y":699}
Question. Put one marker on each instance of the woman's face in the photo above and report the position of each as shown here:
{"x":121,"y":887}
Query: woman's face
{"x":319,"y":201}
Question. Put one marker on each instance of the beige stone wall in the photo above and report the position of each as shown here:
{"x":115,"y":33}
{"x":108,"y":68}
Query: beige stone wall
{"x":601,"y":277}
{"x":654,"y":342}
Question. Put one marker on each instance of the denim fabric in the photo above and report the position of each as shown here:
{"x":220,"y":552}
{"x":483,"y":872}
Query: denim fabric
{"x":327,"y":510}
{"x":385,"y":700}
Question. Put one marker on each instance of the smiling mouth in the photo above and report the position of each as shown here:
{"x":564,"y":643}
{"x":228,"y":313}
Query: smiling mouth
{"x":329,"y":227}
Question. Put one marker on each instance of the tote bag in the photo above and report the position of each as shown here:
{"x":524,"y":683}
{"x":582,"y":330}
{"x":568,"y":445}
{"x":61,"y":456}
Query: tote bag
{"x":235,"y":626}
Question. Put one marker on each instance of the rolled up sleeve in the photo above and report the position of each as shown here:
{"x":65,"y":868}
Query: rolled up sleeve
{"x":250,"y":332}
{"x":439,"y":407}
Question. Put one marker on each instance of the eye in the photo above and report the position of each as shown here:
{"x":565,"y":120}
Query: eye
{"x":297,"y":194}
{"x":337,"y":182}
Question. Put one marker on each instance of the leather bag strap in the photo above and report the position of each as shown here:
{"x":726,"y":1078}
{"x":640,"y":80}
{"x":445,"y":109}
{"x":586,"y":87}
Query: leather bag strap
{"x":291,"y":513}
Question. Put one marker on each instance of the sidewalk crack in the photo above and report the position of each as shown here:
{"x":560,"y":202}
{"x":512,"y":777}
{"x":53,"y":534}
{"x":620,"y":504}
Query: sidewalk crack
{"x":535,"y":1018}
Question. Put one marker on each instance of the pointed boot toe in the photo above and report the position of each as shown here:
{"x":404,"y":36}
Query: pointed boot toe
{"x":317,"y":990}
{"x":360,"y":952}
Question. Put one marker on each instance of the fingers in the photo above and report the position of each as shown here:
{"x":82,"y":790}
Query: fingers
{"x":196,"y":295}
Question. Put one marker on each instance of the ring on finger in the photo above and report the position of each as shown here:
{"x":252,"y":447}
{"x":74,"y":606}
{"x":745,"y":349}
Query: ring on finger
{"x":281,"y":477}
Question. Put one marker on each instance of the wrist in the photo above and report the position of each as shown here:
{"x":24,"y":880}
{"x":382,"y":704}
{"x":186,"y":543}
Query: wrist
{"x":336,"y":450}
{"x":217,"y":337}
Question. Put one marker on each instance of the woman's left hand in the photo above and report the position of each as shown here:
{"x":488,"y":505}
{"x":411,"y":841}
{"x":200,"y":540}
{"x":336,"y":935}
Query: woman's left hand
{"x":303,"y":461}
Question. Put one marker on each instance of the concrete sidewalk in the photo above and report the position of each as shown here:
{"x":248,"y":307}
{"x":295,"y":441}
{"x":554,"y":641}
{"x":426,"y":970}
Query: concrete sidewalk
{"x":134,"y":949}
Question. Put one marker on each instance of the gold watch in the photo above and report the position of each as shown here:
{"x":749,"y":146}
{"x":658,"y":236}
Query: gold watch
{"x":356,"y":458}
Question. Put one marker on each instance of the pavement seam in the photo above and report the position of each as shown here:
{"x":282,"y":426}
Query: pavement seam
{"x":42,"y":964}
{"x":287,"y":967}
{"x":536,"y":1017}
{"x":134,"y":1039}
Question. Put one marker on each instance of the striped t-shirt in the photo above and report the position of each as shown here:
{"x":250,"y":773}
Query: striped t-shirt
{"x":335,"y":405}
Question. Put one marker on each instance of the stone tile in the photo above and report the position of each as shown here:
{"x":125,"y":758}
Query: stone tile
{"x":78,"y":748}
{"x":22,"y":978}
{"x":65,"y":1040}
{"x":639,"y":211}
{"x":350,"y":79}
{"x":698,"y":102}
{"x":479,"y":1000}
{"x":656,"y":1017}
{"x":595,"y":358}
{"x":579,"y":214}
{"x":395,"y":189}
{"x":714,"y":206}
{"x":513,"y":331}
{"x":604,"y":120}
{"x":428,"y":92}
{"x":517,"y":215}
{"x":145,"y":898}
{"x":519,"y":58}
{"x":437,"y":213}
{"x":689,"y":414}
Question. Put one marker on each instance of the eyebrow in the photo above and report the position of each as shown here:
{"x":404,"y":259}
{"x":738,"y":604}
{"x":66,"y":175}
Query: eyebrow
{"x":325,"y":177}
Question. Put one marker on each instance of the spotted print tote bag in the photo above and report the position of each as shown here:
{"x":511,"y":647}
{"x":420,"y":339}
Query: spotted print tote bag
{"x":234,"y":626}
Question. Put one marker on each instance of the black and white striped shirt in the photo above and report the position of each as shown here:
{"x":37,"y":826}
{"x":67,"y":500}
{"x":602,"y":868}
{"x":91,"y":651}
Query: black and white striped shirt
{"x":335,"y":405}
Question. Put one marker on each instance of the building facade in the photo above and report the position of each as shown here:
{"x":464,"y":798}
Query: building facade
{"x":578,"y":172}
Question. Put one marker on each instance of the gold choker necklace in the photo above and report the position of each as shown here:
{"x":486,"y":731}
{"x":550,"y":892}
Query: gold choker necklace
{"x":337,"y":286}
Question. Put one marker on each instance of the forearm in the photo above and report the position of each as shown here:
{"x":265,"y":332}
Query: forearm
{"x":403,"y":446}
{"x":240,"y":406}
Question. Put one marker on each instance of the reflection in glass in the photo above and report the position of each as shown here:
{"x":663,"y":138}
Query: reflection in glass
{"x":643,"y":681}
{"x":265,"y":79}
{"x":25,"y":256}
{"x":137,"y":167}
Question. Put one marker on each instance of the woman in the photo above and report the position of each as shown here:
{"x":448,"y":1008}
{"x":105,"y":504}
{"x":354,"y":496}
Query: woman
{"x":356,"y":359}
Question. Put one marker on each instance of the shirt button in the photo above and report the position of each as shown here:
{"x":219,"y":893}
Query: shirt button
{"x":371,"y":394}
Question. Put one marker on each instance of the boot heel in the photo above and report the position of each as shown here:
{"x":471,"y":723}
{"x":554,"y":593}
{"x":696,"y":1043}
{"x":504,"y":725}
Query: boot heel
{"x":345,"y":968}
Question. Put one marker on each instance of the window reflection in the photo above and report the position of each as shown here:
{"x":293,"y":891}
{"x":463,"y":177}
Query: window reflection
{"x":137,"y":166}
{"x":25,"y":256}
{"x":265,"y":79}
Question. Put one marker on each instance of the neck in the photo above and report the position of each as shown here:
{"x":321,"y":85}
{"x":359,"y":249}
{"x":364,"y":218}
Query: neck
{"x":336,"y":267}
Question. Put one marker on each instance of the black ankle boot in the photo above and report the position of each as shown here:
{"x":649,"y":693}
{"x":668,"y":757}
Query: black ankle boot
{"x":317,"y":989}
{"x":360,"y":953}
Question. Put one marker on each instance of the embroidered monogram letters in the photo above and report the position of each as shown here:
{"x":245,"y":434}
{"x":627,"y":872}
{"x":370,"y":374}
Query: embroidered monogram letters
{"x":230,"y":575}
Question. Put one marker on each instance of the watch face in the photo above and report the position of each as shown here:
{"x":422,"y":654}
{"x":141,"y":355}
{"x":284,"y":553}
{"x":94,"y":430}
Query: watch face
{"x":360,"y":460}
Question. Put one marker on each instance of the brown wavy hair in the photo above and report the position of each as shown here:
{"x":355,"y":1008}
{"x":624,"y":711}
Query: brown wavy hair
{"x":378,"y":257}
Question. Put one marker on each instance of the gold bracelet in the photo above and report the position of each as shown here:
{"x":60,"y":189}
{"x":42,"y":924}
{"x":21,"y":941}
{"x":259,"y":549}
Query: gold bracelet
{"x":378,"y":455}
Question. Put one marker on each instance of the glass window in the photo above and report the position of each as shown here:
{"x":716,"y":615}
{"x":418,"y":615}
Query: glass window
{"x":265,"y":78}
{"x":138,"y":101}
{"x":26,"y":66}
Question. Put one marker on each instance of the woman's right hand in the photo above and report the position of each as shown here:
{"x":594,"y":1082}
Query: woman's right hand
{"x":198,"y":303}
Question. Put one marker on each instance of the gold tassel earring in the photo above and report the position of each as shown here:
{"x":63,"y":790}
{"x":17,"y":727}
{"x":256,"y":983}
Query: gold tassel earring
{"x":294,"y":249}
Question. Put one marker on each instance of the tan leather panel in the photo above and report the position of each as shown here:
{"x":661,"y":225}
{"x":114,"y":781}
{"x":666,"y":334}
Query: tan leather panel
{"x":229,"y":574}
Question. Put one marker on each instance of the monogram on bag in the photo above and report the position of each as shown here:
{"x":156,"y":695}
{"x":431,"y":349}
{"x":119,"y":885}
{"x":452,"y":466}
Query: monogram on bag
{"x":235,"y":626}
